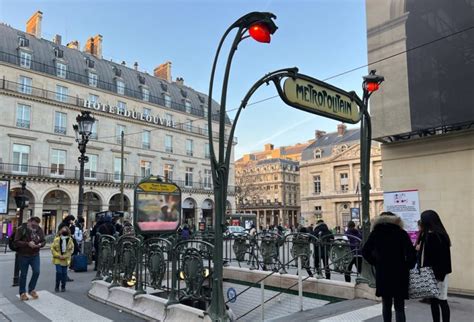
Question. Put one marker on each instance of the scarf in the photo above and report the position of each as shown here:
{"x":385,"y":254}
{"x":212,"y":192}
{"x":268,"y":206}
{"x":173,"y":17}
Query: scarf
{"x":63,"y":243}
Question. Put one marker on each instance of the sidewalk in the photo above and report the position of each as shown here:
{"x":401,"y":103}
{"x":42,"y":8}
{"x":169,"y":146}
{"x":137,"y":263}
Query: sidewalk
{"x":462,"y":310}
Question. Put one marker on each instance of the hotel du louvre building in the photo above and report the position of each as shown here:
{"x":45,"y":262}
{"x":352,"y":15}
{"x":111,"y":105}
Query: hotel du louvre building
{"x":44,"y":86}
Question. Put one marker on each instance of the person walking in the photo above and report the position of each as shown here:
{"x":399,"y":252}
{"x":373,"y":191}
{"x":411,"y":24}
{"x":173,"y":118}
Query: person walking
{"x":390,"y":250}
{"x":436,"y":253}
{"x":321,"y":250}
{"x":354,"y":236}
{"x":28,"y":240}
{"x":62,"y":249}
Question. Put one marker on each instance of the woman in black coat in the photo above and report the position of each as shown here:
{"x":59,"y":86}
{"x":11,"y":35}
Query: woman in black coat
{"x":390,"y":250}
{"x":436,"y":253}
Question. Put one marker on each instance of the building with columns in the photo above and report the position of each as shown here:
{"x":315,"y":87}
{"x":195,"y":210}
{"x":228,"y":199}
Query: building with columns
{"x":45,"y":85}
{"x":329,"y":178}
{"x":267,"y":185}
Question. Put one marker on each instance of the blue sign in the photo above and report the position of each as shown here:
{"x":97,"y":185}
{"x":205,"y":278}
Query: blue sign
{"x":231,"y":295}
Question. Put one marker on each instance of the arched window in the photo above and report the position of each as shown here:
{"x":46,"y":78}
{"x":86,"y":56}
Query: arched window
{"x":318,"y":154}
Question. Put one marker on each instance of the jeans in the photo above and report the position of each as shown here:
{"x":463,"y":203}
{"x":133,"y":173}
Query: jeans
{"x":399,"y":309}
{"x":61,"y":275}
{"x":34,"y":262}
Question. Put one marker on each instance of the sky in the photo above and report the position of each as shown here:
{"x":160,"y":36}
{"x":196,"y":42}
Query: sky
{"x":321,"y":37}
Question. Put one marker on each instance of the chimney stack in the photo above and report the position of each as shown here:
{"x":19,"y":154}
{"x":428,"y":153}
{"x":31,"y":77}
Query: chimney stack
{"x":73,"y":44}
{"x":180,"y":81}
{"x":341,"y":129}
{"x":269,"y":147}
{"x":163,"y":71}
{"x":319,"y":134}
{"x":57,"y":39}
{"x":94,"y":46}
{"x":135,"y":66}
{"x":33,"y":25}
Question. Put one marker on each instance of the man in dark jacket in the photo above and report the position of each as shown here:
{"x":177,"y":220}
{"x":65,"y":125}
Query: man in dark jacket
{"x":390,"y":250}
{"x":28,"y":240}
{"x":354,"y":236}
{"x":321,"y":251}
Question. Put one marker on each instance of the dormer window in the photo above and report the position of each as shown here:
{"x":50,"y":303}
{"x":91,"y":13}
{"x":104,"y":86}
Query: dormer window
{"x":201,"y":99}
{"x":318,"y":154}
{"x":61,"y":70}
{"x":120,"y":86}
{"x":184,"y":93}
{"x":23,"y":42}
{"x":92,"y":79}
{"x":167,"y":99}
{"x":25,"y":59}
{"x":164,"y":87}
{"x":141,"y":79}
{"x":145,"y":94}
{"x":187,"y":105}
{"x":90,"y":63}
{"x":117,"y":71}
{"x":58,"y":53}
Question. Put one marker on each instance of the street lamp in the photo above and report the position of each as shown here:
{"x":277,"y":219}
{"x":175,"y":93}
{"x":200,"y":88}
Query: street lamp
{"x":22,"y":202}
{"x":260,"y":27}
{"x":370,"y":84}
{"x":83,"y":130}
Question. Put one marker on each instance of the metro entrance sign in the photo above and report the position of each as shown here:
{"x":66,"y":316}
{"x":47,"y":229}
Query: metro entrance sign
{"x":316,"y":97}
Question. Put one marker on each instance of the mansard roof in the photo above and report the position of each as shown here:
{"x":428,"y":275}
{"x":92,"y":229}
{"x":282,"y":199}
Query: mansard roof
{"x":44,"y":60}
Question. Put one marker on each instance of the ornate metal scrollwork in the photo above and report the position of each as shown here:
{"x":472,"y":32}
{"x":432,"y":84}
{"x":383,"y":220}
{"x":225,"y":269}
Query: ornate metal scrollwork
{"x":268,"y":250}
{"x":156,"y":249}
{"x":341,"y":255}
{"x":128,"y":256}
{"x":240,"y":247}
{"x":191,"y":271}
{"x":302,"y":248}
{"x":106,"y":255}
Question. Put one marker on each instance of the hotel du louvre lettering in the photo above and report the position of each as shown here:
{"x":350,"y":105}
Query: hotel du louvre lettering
{"x":129,"y":113}
{"x":320,"y":98}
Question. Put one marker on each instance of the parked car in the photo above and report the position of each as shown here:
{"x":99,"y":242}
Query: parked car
{"x":234,"y":230}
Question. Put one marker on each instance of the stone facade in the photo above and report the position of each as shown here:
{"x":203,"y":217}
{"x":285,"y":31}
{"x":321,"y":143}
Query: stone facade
{"x":423,"y":114}
{"x":268,"y":185}
{"x":329,"y":179}
{"x":38,"y":142}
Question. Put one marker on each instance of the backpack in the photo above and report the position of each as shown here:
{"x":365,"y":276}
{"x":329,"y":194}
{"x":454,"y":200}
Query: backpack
{"x":11,"y":239}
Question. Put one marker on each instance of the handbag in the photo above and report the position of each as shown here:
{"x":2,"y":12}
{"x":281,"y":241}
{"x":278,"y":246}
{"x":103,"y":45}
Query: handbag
{"x":422,"y":282}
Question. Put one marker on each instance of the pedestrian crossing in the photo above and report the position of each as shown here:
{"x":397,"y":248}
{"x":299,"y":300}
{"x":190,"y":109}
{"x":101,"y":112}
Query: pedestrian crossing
{"x":57,"y":309}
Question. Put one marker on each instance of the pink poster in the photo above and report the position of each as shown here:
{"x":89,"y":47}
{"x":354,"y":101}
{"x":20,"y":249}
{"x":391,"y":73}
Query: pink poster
{"x":406,"y":204}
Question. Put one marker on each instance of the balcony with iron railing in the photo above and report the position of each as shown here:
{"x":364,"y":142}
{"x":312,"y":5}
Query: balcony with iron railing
{"x":58,"y":171}
{"x":67,"y":99}
{"x":60,"y":130}
{"x":24,"y":124}
{"x":110,"y":87}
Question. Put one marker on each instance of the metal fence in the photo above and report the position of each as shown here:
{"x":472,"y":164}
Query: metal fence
{"x":181,"y":270}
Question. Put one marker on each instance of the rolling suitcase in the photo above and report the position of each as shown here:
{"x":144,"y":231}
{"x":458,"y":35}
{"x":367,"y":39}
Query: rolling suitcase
{"x":79,"y":263}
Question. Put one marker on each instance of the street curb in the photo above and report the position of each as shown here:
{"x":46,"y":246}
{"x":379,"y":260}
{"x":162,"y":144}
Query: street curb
{"x":120,"y":308}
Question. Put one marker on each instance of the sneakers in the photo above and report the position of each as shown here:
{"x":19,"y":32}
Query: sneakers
{"x":56,"y":289}
{"x":34,"y":295}
{"x":24,"y":297}
{"x":63,"y":289}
